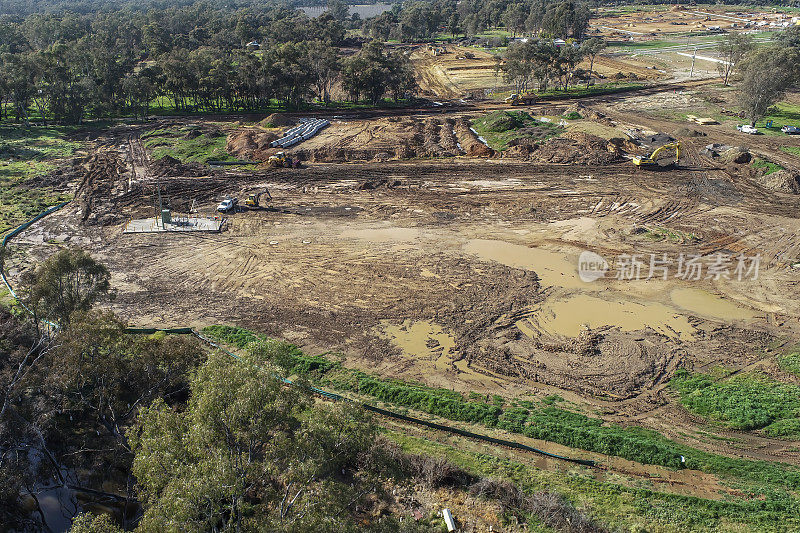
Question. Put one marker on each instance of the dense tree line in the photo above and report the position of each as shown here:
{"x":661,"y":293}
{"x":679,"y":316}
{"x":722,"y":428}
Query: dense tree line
{"x":69,"y":66}
{"x":420,"y":20}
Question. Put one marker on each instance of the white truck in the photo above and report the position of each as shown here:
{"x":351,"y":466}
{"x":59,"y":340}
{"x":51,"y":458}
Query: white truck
{"x":227,"y":205}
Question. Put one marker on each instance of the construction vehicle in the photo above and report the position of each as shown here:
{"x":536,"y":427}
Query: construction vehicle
{"x":227,"y":205}
{"x":280,"y":160}
{"x":254,"y":199}
{"x":651,"y":161}
{"x":521,"y":99}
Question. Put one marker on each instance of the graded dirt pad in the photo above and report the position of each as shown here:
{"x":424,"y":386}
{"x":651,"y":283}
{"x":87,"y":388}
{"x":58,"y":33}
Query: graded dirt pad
{"x":456,"y":73}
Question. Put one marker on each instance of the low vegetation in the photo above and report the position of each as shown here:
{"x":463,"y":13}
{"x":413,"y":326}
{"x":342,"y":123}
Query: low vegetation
{"x":500,"y":128}
{"x":747,"y":402}
{"x":187,"y":144}
{"x":665,"y":234}
{"x":790,"y":362}
{"x":623,"y":508}
{"x":26,"y":155}
{"x":536,"y":421}
{"x":768,"y":166}
{"x":794,"y":150}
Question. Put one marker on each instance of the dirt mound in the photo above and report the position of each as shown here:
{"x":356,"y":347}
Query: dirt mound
{"x":250,"y":144}
{"x":688,"y":132}
{"x":169,"y":167}
{"x":609,"y":364}
{"x":737,"y":154}
{"x":781,"y":181}
{"x":276,"y":120}
{"x":575,"y":148}
{"x":620,"y":145}
{"x":469,"y":141}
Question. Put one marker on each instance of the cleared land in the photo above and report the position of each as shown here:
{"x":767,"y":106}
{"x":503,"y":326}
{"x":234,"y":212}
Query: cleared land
{"x":402,"y":253}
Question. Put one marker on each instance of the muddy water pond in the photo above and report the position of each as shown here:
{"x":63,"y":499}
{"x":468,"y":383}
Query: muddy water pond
{"x":553,"y":268}
{"x":421,"y":339}
{"x":567,"y":316}
{"x":705,"y":304}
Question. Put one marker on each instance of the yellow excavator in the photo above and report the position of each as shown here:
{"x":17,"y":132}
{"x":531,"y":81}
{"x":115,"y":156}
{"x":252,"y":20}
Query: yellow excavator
{"x":651,"y":161}
{"x":254,"y":199}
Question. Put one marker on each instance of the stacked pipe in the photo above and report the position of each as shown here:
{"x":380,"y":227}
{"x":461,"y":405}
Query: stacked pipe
{"x":307,"y":128}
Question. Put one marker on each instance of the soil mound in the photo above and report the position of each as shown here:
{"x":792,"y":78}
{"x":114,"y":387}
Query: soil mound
{"x":276,"y":120}
{"x":469,"y":141}
{"x":168,"y":166}
{"x":688,"y":132}
{"x":575,"y":148}
{"x":620,"y":145}
{"x":737,"y":154}
{"x":249,"y":144}
{"x":781,"y":181}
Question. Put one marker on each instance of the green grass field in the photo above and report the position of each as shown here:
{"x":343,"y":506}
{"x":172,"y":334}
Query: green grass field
{"x":781,"y":114}
{"x":27,"y":153}
{"x":746,"y":402}
{"x":182,"y":144}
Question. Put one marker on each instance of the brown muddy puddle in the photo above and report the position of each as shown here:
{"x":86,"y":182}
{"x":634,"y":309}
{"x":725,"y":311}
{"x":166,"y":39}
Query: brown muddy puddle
{"x":426,"y":342}
{"x":553,"y":268}
{"x":569,"y":315}
{"x":705,"y":304}
{"x":421,"y":339}
{"x":566,"y":315}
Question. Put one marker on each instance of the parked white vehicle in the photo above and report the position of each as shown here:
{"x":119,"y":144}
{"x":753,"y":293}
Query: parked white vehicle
{"x":791,"y":130}
{"x":228,"y":204}
{"x":747,"y":128}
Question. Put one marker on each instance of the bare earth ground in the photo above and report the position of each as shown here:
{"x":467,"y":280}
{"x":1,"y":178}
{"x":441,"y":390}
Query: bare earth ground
{"x":460,"y":272}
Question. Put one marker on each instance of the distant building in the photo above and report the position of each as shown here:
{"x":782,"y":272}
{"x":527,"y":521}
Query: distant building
{"x":253,"y":45}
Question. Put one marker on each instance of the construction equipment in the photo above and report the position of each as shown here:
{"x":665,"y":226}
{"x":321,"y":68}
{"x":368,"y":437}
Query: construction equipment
{"x":280,"y":160}
{"x":521,"y":99}
{"x":651,"y":161}
{"x":254,"y":199}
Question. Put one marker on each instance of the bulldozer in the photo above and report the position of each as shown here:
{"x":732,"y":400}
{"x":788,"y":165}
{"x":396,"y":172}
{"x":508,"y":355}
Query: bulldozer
{"x":521,"y":99}
{"x":254,"y":199}
{"x":651,"y":161}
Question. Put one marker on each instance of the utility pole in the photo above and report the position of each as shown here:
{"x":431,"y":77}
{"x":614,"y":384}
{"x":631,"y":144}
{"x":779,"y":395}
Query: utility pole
{"x":691,"y":72}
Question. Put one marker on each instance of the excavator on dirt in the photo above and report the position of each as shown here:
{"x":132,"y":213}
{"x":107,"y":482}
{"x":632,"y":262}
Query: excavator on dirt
{"x":521,"y":99}
{"x":254,"y":199}
{"x":651,"y":161}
